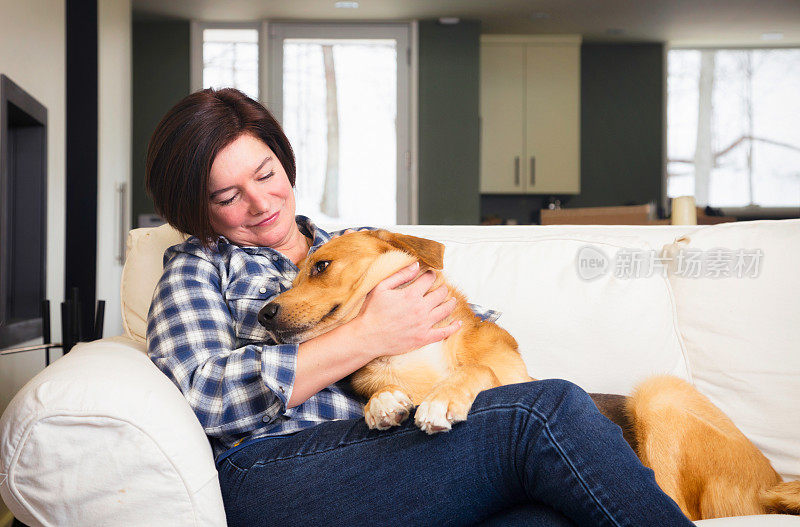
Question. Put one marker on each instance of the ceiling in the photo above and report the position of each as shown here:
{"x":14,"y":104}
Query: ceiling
{"x":678,"y":22}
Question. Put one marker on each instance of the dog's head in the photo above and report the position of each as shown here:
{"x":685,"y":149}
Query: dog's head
{"x":333,"y":282}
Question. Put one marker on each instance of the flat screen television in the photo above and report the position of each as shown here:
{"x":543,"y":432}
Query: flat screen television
{"x":23,"y":213}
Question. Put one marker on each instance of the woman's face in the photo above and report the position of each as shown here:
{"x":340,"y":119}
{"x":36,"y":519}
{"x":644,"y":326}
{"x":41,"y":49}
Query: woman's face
{"x":251,"y":201}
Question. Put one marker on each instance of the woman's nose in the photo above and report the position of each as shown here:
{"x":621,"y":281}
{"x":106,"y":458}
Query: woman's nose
{"x":258,"y":201}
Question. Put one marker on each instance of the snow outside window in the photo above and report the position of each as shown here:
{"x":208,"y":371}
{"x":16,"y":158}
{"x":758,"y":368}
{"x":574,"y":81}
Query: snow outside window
{"x":733,"y":126}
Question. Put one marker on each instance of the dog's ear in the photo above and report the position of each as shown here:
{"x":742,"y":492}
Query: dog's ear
{"x":428,"y":252}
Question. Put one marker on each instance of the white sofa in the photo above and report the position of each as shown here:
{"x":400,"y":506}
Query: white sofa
{"x":101,"y":437}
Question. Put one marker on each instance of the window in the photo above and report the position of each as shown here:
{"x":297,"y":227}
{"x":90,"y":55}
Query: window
{"x":227,"y":57}
{"x":343,"y":94}
{"x":339,"y":112}
{"x":732,"y":134}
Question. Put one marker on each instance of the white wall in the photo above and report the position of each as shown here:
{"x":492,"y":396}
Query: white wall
{"x":114,"y":145}
{"x":32,"y":54}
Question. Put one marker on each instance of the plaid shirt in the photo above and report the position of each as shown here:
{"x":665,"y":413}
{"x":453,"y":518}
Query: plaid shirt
{"x":203,"y":333}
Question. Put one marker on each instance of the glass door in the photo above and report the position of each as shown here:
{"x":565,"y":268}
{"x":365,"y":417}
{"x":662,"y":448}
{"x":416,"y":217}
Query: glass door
{"x":341,"y":93}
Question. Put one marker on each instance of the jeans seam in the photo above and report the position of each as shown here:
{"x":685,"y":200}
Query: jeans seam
{"x":575,"y":472}
{"x":558,"y":448}
{"x":234,"y":465}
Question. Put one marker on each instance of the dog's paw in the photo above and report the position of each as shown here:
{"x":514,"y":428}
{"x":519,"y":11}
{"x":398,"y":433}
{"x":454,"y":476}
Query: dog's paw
{"x":387,"y":409}
{"x":438,"y":411}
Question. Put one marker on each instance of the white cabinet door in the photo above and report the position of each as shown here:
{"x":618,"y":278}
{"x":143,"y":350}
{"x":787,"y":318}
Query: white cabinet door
{"x":530,"y":115}
{"x":502,"y":107}
{"x":552,"y":101}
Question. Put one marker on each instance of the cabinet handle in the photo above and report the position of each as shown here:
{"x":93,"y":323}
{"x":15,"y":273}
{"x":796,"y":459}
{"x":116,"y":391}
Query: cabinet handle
{"x":516,"y":171}
{"x":533,"y":170}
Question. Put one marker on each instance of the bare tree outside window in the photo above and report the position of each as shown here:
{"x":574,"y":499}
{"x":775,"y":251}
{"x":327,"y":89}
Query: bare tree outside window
{"x":340,"y":114}
{"x":330,"y":196}
{"x":733,"y":138}
{"x":703,"y":150}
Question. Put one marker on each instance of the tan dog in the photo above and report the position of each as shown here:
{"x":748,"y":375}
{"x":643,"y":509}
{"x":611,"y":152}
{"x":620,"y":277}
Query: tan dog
{"x":699,"y":457}
{"x":441,"y":379}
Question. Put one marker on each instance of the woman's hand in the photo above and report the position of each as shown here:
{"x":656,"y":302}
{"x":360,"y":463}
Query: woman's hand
{"x":398,"y":319}
{"x":393,"y":320}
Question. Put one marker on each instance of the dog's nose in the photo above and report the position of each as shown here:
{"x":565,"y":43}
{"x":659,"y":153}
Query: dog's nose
{"x":267,"y":313}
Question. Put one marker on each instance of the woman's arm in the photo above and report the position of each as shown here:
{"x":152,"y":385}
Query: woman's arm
{"x":191,"y":337}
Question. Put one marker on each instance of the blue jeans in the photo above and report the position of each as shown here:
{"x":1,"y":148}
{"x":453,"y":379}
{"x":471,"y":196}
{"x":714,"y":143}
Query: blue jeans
{"x":538,"y":453}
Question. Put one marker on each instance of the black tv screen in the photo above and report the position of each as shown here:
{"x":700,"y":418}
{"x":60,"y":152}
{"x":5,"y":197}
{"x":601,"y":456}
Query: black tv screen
{"x":23,"y":213}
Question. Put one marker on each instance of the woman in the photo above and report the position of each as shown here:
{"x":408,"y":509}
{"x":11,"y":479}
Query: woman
{"x":290,"y":441}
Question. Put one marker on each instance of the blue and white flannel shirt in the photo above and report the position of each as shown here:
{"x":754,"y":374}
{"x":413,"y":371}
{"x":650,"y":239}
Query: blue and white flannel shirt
{"x":202,"y":332}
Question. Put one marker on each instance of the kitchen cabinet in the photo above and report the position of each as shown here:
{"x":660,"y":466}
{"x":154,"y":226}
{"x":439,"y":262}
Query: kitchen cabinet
{"x":530,"y":114}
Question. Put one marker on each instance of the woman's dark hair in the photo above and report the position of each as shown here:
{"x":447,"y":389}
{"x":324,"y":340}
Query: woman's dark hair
{"x":185,"y":143}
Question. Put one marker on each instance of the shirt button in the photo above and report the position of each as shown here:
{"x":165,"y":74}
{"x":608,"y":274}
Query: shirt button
{"x":275,"y":257}
{"x":281,"y":389}
{"x":266,"y":419}
{"x":262,"y":290}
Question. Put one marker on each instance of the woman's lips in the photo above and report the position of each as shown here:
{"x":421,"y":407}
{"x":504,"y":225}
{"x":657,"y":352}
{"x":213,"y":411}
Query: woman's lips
{"x":268,"y":220}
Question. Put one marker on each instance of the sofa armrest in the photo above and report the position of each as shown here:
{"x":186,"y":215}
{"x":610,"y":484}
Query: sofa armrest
{"x":101,"y":436}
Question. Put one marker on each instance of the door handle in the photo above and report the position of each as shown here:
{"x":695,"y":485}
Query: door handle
{"x":516,"y":171}
{"x":533,"y":170}
{"x":122,"y":194}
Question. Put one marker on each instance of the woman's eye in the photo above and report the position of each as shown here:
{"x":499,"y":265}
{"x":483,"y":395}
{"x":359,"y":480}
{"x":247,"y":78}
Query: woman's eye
{"x":267,"y":176}
{"x":227,"y":201}
{"x":319,"y":267}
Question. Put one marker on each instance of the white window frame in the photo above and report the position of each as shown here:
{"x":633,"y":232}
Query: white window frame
{"x":747,"y":212}
{"x":269,"y":86}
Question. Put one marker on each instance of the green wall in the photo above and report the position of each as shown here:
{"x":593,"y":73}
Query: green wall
{"x":160,"y":79}
{"x":449,"y":131}
{"x":622,"y":124}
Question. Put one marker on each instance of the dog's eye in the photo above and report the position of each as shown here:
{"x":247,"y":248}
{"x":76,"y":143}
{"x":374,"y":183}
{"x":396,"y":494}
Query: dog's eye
{"x":319,"y":267}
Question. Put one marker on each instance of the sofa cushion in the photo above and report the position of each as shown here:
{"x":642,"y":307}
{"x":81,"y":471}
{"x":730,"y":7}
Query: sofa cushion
{"x":144,"y":264}
{"x":742,"y":334}
{"x":759,"y":520}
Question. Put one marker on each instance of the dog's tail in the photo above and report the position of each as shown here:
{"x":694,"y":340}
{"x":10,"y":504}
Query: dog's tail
{"x":783,"y":498}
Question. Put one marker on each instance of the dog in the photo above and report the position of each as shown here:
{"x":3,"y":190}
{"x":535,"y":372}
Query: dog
{"x":441,"y":379}
{"x":699,"y":457}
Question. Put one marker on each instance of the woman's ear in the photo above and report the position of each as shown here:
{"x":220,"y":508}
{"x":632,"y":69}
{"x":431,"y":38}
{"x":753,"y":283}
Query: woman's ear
{"x":428,"y":252}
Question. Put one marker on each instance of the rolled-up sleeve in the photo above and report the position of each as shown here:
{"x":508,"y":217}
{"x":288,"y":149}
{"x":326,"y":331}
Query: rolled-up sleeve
{"x":191,"y":337}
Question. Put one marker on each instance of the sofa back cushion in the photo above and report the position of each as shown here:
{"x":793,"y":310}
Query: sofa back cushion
{"x":742,"y":331}
{"x":144,"y":264}
{"x":602,"y":332}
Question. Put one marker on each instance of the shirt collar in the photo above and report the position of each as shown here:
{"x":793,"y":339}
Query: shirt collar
{"x":317,"y":235}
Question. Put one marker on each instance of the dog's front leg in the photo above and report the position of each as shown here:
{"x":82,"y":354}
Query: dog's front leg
{"x":450,"y":400}
{"x":387,"y":407}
